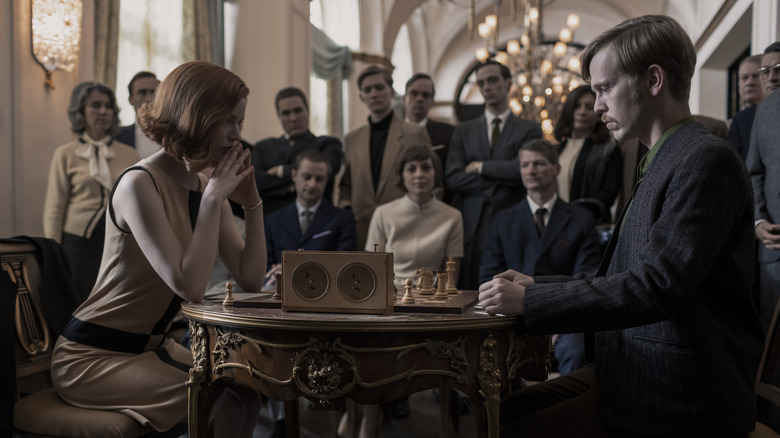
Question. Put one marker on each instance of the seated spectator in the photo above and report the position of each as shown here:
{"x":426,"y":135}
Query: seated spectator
{"x":542,"y":235}
{"x":591,"y":164}
{"x":82,"y":173}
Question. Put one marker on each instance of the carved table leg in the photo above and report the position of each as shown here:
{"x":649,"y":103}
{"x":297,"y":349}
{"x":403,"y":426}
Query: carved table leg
{"x":489,"y":378}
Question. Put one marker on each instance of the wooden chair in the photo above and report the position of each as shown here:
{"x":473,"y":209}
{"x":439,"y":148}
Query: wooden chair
{"x":38,"y":410}
{"x":767,"y":384}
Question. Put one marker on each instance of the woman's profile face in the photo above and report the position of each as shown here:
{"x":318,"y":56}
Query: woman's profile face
{"x":585,"y":118}
{"x":225,"y":135}
{"x":419,"y":177}
{"x":98,"y":114}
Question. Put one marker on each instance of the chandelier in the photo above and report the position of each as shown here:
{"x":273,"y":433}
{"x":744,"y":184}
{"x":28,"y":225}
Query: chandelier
{"x":543,"y":72}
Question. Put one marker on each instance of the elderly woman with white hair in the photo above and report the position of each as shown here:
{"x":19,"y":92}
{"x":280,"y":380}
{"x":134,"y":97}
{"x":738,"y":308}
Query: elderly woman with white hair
{"x":81,"y":175}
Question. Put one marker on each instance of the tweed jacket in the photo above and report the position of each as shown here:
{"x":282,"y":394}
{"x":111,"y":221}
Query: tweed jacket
{"x":356,"y":188}
{"x":500,"y":182}
{"x":569,"y":244}
{"x":763,"y":162}
{"x":678,"y":339}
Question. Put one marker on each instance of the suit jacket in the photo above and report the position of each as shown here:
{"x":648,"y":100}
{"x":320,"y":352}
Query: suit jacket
{"x":356,"y":188}
{"x":739,"y":133}
{"x":569,"y":244}
{"x":440,"y":134}
{"x":763,"y":163}
{"x":277,"y":192}
{"x":126,"y":135}
{"x":331,"y":229}
{"x":678,"y":339}
{"x":500,"y":182}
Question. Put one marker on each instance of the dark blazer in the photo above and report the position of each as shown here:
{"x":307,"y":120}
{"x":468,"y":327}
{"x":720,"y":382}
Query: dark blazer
{"x":569,"y":244}
{"x":594,"y":181}
{"x":126,"y":135}
{"x":763,"y":163}
{"x":331,"y":229}
{"x":678,"y":339}
{"x":277,"y":192}
{"x":739,"y":132}
{"x":500,"y":182}
{"x":356,"y":188}
{"x":440,"y":134}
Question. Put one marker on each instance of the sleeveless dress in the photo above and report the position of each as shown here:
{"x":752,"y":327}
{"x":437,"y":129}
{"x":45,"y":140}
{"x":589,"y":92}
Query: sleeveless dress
{"x":113,"y":354}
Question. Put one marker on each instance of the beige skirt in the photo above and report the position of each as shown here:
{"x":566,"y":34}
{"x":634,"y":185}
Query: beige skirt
{"x":143,"y":386}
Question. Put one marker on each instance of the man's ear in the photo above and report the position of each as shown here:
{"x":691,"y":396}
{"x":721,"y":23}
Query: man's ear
{"x":557,"y":168}
{"x":655,"y":80}
{"x":292,"y":173}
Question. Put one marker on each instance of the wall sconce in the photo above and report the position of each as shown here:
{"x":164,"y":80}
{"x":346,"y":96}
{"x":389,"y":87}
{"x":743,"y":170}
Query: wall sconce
{"x":56,"y":32}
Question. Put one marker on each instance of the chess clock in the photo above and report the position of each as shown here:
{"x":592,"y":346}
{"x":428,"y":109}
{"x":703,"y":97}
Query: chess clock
{"x":337,"y":281}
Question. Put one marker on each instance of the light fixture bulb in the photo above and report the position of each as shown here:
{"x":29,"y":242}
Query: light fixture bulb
{"x":565,"y":35}
{"x":573,"y":21}
{"x":513,"y":47}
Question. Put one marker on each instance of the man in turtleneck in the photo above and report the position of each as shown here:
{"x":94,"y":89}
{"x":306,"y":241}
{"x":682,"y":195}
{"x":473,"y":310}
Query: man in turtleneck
{"x":274,"y":157}
{"x":371,"y":151}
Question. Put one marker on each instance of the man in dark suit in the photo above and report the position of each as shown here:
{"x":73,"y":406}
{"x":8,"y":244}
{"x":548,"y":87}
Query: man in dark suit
{"x":751,"y":90}
{"x":372,"y":152}
{"x":677,"y":341}
{"x":482,"y":172}
{"x":543,"y":235}
{"x":418,"y":100}
{"x":763,"y":163}
{"x":311,"y":222}
{"x":140,"y":91}
{"x":273,"y":157}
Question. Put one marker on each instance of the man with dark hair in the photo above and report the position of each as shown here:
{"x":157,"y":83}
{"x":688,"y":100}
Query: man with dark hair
{"x":371,"y":151}
{"x":418,"y":100}
{"x":752,"y":88}
{"x":481,"y":171}
{"x":677,"y":340}
{"x":273,"y":157}
{"x":543,"y":235}
{"x":140,"y":91}
{"x":763,"y":163}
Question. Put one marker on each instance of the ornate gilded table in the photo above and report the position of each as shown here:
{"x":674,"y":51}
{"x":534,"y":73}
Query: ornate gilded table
{"x":329,"y":358}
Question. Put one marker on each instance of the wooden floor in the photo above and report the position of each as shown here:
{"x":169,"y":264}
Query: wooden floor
{"x":423,"y":422}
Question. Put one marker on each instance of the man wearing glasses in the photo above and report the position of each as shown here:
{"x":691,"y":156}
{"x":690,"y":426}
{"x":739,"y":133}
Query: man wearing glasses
{"x":763,"y":163}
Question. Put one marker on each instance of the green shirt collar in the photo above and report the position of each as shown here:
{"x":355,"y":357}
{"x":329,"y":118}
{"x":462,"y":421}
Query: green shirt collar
{"x":644,"y":163}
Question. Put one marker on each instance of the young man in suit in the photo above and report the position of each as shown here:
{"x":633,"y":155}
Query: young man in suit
{"x":371,"y":152}
{"x":311,"y":222}
{"x":481,"y":171}
{"x":418,"y":100}
{"x":763,"y":163}
{"x":141,"y":90}
{"x":273,"y":157}
{"x":543,"y":235}
{"x":677,"y":341}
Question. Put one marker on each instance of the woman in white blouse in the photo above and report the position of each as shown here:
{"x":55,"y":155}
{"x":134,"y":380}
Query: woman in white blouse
{"x":81,"y":175}
{"x":420,"y":230}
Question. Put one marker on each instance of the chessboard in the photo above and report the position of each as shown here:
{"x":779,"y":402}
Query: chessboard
{"x":455,"y":303}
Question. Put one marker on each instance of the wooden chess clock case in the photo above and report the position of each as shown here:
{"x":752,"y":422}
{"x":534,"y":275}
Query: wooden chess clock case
{"x":337,"y":281}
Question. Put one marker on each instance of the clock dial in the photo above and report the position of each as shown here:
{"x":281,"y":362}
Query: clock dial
{"x":310,"y":281}
{"x":356,"y":281}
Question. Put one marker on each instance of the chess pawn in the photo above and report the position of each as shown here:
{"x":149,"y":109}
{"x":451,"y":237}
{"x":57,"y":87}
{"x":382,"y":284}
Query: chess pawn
{"x":426,"y":281}
{"x":228,"y":301}
{"x":408,"y":297}
{"x":451,"y":289}
{"x":278,"y":291}
{"x":441,"y":288}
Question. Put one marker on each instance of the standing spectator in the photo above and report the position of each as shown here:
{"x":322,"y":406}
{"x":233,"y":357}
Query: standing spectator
{"x":751,"y":91}
{"x":482,"y":172}
{"x":274,"y":157}
{"x":591,"y":164}
{"x":141,"y":90}
{"x":81,"y":175}
{"x":371,"y":152}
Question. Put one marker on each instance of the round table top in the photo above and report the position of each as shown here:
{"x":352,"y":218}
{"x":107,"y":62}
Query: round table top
{"x":473,"y":318}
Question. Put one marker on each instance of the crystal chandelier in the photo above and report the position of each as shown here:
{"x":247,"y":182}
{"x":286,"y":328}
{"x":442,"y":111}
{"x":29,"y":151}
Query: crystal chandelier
{"x":542,"y":72}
